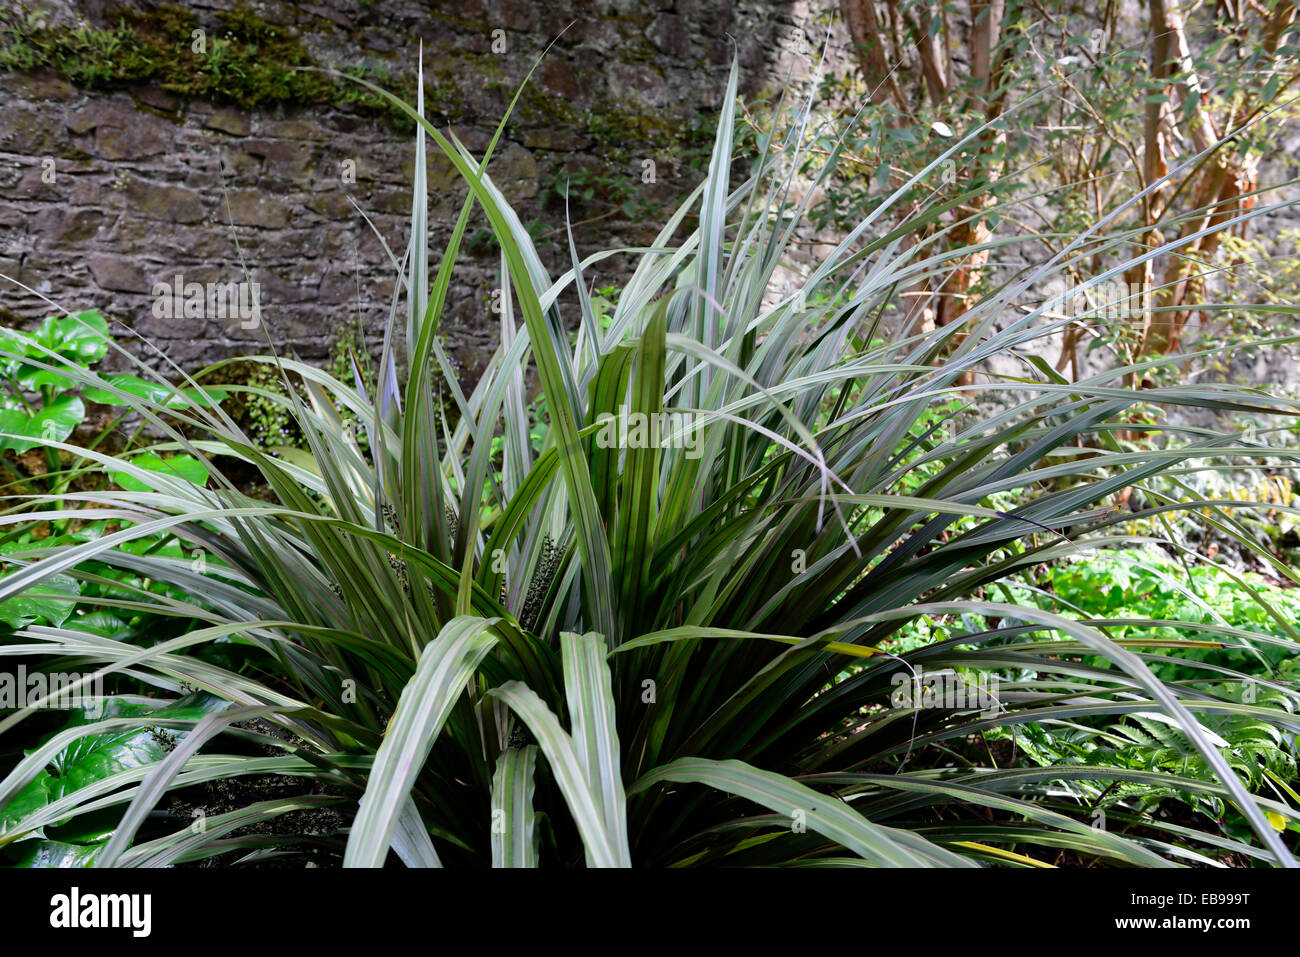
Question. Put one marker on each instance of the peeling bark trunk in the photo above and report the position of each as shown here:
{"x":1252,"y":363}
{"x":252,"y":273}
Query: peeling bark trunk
{"x":1220,"y":193}
{"x":956,"y":295}
{"x":869,"y":45}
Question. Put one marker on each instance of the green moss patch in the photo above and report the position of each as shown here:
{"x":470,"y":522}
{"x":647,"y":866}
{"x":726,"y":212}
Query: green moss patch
{"x":246,"y":62}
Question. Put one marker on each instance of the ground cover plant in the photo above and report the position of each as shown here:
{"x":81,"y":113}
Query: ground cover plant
{"x":483,"y":636}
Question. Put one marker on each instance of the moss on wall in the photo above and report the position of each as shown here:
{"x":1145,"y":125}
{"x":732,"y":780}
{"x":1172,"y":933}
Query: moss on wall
{"x":248,"y":63}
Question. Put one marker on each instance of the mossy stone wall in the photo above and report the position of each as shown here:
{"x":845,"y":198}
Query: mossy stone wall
{"x":133,"y":148}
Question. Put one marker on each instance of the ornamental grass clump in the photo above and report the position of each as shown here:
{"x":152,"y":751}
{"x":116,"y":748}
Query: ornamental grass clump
{"x":476,"y":648}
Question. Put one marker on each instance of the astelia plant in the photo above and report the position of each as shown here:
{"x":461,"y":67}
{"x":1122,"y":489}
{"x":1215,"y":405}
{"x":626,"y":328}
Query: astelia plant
{"x":663,"y":653}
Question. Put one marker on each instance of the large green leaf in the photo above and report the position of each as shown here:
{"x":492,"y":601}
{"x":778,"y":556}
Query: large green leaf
{"x":132,"y":385}
{"x":55,"y":854}
{"x":92,"y":757}
{"x":41,"y":605}
{"x":181,"y":466}
{"x":54,"y":422}
{"x":81,"y":340}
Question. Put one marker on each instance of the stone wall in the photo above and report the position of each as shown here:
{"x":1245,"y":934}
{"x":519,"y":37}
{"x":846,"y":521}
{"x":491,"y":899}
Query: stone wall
{"x":105,"y":193}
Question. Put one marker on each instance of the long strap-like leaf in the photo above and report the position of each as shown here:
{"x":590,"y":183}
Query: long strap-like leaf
{"x":828,"y":816}
{"x":514,"y":824}
{"x":588,"y":688}
{"x":445,"y":665}
{"x":582,"y":795}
